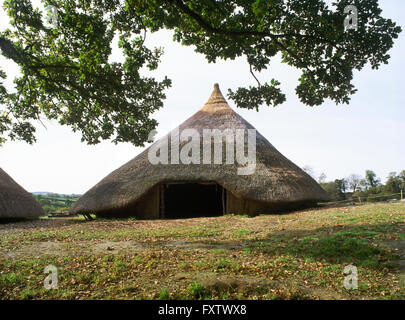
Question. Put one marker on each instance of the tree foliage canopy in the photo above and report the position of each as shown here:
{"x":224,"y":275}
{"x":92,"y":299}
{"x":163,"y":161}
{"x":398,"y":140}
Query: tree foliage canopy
{"x":67,"y":75}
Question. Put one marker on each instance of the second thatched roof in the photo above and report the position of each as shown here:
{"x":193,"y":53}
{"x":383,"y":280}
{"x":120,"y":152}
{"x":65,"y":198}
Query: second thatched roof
{"x":15,"y":202}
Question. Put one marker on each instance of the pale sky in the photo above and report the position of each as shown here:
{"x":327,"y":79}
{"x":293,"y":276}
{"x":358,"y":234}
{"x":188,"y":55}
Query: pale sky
{"x":337,"y":140}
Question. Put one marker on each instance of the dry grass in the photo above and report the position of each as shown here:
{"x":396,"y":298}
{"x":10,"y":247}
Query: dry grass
{"x":292,"y":256}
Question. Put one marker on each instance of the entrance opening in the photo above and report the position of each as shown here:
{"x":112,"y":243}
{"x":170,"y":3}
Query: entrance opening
{"x":188,"y":200}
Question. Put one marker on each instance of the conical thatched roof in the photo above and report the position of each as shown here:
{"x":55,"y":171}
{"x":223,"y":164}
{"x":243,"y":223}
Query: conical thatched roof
{"x":15,"y":202}
{"x":275,"y":180}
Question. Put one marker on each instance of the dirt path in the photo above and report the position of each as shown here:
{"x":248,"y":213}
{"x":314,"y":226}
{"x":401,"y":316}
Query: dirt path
{"x":399,"y":247}
{"x":59,"y":248}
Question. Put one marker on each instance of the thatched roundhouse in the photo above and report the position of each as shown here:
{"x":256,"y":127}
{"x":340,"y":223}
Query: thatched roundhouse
{"x":177,"y":189}
{"x":15,"y":202}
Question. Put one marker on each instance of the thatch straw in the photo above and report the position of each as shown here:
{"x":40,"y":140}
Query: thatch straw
{"x":276,"y":179}
{"x":15,"y":202}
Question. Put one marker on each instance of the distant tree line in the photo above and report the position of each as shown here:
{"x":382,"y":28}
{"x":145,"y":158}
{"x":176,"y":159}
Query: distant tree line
{"x":362,"y":188}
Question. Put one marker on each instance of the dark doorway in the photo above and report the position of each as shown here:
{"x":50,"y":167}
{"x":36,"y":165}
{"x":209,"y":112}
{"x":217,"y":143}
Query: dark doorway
{"x":188,"y":200}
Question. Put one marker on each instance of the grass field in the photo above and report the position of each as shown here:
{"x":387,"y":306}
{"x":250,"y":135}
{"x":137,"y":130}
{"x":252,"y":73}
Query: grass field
{"x":299,"y":255}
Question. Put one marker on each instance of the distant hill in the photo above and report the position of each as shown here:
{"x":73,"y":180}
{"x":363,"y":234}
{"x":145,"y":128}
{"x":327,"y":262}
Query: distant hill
{"x":54,"y":202}
{"x":44,"y":193}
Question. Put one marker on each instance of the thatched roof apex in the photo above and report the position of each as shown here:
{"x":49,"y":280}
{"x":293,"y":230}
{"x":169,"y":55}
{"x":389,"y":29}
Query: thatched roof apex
{"x":275,"y":180}
{"x":216,"y":102}
{"x":15,"y":202}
